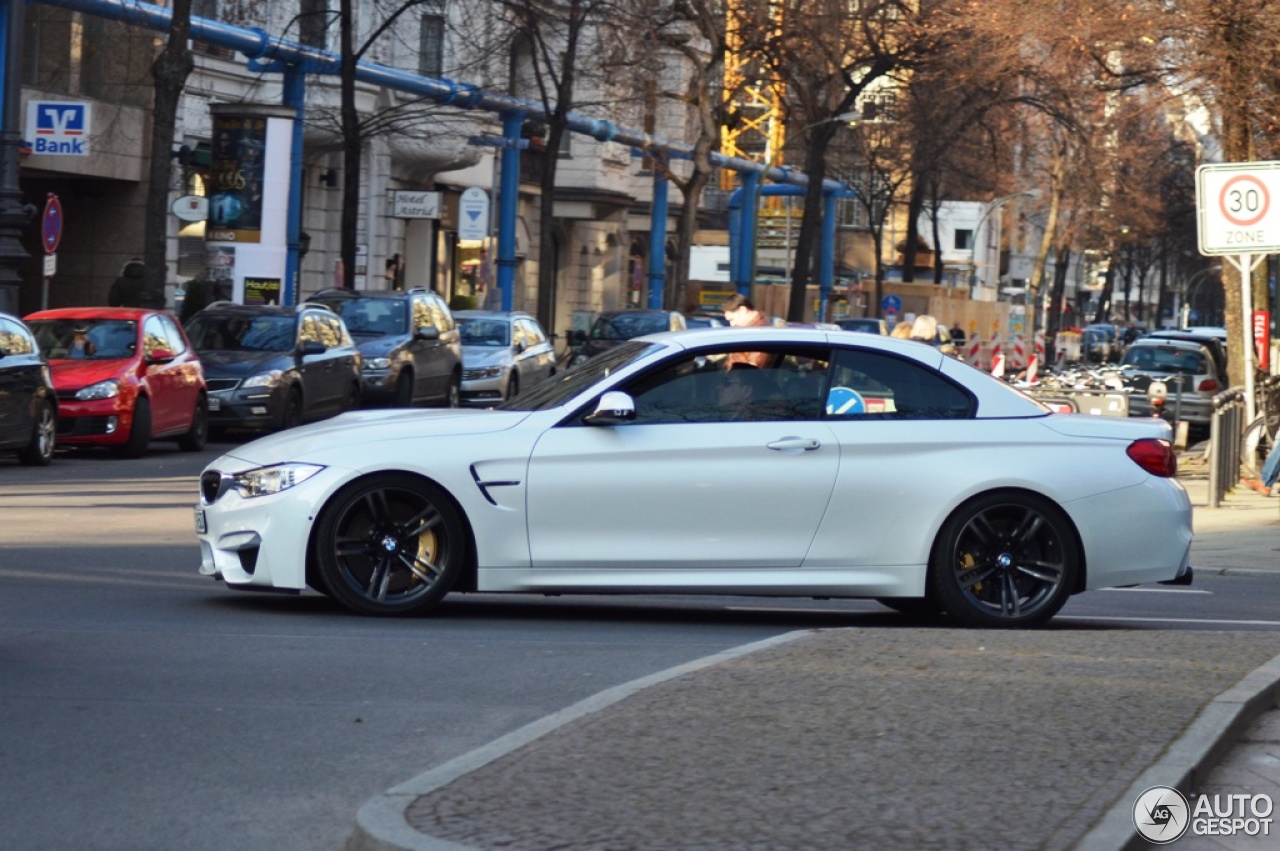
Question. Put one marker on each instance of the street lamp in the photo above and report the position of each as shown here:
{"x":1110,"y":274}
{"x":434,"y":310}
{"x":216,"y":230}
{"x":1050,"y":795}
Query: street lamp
{"x":992,"y":206}
{"x":1196,"y":280}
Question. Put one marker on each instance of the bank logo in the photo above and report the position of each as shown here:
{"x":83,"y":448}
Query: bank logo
{"x":1161,"y":815}
{"x":58,"y":127}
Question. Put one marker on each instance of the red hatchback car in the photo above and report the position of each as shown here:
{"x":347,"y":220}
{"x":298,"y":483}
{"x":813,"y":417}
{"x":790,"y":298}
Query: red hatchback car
{"x":123,"y":376}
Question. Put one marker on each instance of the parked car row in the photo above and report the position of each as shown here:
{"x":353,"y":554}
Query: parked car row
{"x":121,"y":377}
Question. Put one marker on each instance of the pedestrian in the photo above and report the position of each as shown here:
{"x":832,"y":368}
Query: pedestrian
{"x":957,"y":333}
{"x":128,"y":289}
{"x":740,"y":312}
{"x":1270,"y":471}
{"x":901,"y":331}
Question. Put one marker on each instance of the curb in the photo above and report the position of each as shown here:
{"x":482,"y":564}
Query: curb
{"x":381,"y":824}
{"x":1189,"y":759}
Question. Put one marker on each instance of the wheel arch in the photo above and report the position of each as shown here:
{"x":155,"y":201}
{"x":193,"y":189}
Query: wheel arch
{"x":1082,"y":574}
{"x":467,"y":579}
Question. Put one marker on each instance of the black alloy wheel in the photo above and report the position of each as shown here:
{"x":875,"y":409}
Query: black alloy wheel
{"x":1005,"y":560}
{"x":389,"y":544}
{"x":292,"y":415}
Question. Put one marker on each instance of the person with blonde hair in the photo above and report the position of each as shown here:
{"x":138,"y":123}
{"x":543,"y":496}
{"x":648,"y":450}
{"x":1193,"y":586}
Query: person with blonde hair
{"x":925,"y":329}
{"x":901,"y":331}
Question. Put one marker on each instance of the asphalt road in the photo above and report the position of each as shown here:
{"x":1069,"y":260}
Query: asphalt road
{"x":143,"y":706}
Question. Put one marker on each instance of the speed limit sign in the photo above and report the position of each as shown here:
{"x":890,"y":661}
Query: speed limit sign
{"x":1238,"y":208}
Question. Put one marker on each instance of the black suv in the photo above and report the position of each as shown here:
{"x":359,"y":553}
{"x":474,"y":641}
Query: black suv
{"x":269,"y":367}
{"x":28,"y":404}
{"x":411,"y":345}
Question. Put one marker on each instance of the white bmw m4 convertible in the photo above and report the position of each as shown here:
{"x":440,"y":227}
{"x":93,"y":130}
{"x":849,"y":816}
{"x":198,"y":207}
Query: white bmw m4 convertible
{"x":750,"y":461}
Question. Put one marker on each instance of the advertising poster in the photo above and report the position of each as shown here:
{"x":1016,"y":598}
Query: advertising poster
{"x":236,"y":175}
{"x":220,"y":274}
{"x":261,"y":290}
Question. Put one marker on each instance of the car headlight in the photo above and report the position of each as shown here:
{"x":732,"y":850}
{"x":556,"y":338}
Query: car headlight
{"x":482,"y":372}
{"x":377,"y":363}
{"x":102,"y":390}
{"x":265,"y":379}
{"x":265,"y":481}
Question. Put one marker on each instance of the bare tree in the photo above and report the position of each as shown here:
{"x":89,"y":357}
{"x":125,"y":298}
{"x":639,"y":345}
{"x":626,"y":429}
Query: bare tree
{"x":170,"y":71}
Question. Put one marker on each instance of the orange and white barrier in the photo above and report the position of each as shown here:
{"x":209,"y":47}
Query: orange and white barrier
{"x":997,"y":365}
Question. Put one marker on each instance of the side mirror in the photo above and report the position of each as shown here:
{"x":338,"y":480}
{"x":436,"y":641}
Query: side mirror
{"x":576,"y":337}
{"x":613,"y":408}
{"x":519,"y":346}
{"x":427,"y":332}
{"x":313,"y":347}
{"x":160,"y":356}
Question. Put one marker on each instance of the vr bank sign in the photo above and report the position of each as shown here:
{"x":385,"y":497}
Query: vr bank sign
{"x":58,"y":127}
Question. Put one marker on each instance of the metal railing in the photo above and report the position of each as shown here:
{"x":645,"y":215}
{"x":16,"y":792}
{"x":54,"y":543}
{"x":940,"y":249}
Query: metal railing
{"x":1226,"y":433}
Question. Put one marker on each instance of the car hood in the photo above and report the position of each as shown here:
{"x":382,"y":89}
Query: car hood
{"x":474,"y":357}
{"x":377,"y":347}
{"x":74,"y":374}
{"x":356,"y":428}
{"x":236,"y":364}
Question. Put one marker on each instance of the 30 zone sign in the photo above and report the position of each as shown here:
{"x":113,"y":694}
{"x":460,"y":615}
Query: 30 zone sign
{"x":1238,"y":206}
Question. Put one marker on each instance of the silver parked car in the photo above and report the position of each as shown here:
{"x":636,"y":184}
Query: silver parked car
{"x":502,"y":354}
{"x":1186,"y":368}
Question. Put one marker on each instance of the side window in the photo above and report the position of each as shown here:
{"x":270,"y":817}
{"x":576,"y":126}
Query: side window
{"x":440,"y":314}
{"x":310,"y":331}
{"x":14,"y":340}
{"x":718,"y":388}
{"x":340,"y":332}
{"x":333,"y":329}
{"x":327,"y":328}
{"x":154,"y":338}
{"x":422,"y":314}
{"x":534,"y":332}
{"x":177,"y":344}
{"x":872,"y":385}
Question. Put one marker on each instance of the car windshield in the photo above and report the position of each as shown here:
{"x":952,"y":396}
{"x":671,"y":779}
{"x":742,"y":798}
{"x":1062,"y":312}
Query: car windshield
{"x":477,"y":331}
{"x":624,"y":326}
{"x":1166,"y":359}
{"x":560,"y":388}
{"x":98,"y":339}
{"x":370,"y":317}
{"x":230,"y":333}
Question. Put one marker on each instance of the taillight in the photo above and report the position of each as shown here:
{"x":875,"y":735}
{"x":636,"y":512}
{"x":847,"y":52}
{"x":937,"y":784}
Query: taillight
{"x":1208,"y":386}
{"x":1155,"y":455}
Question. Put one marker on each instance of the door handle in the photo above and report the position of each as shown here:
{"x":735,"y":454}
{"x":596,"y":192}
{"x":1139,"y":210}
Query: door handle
{"x":795,"y":444}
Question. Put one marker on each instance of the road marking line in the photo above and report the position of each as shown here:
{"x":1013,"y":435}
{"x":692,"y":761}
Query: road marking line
{"x":1161,"y":590}
{"x":1167,"y":620}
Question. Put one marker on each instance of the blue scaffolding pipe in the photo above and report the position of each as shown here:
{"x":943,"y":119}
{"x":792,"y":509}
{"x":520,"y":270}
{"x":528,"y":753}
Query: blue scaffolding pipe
{"x":658,"y":241}
{"x":742,"y":234}
{"x":266,"y":51}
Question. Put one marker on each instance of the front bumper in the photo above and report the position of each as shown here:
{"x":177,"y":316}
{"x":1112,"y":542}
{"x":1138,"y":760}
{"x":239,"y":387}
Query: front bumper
{"x":100,"y":422}
{"x":261,"y":543}
{"x":253,"y":408}
{"x":483,"y":392}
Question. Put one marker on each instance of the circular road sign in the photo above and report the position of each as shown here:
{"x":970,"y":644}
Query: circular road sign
{"x":51,"y":224}
{"x":1244,"y":200}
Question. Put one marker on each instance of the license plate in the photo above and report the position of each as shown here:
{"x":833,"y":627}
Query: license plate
{"x":201,"y":526}
{"x":215,"y":404}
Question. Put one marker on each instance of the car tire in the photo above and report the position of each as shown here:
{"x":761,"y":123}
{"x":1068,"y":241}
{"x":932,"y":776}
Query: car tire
{"x":1006,"y":559}
{"x":140,"y":431}
{"x":404,"y":390}
{"x":389,"y":544}
{"x":513,"y":385}
{"x":292,"y":414}
{"x":352,"y":402}
{"x":198,"y":436}
{"x":453,"y":396}
{"x":44,"y":431}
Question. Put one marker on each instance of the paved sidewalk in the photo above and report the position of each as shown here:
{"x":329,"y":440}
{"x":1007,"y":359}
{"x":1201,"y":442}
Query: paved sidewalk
{"x":904,"y":738}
